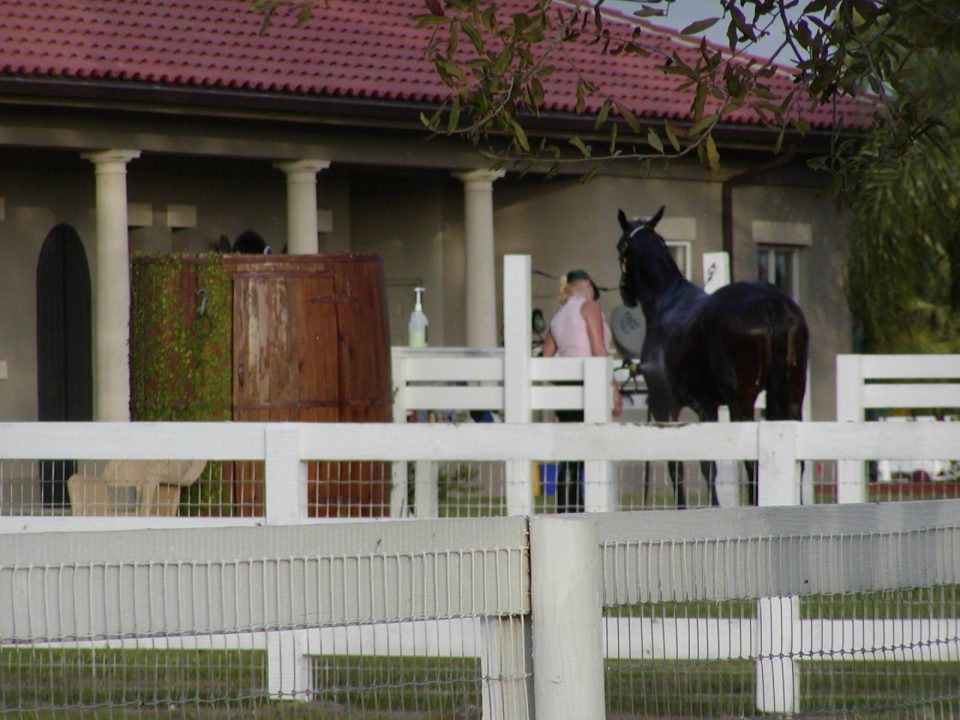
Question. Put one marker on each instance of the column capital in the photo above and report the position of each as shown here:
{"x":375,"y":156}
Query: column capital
{"x":307,"y":166}
{"x":105,"y":158}
{"x":475,"y":177}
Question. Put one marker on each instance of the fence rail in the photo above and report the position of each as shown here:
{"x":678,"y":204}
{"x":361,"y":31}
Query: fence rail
{"x":715,"y":586}
{"x":286,"y":450}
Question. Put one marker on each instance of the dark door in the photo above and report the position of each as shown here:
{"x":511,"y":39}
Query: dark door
{"x":64,"y":366}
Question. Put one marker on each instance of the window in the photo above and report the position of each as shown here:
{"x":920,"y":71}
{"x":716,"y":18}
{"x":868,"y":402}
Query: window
{"x":778,"y":252}
{"x":681,"y":255}
{"x":777,"y":265}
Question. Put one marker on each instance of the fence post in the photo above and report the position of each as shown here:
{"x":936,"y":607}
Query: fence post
{"x":599,"y":482}
{"x":285,"y":496}
{"x":727,"y":481}
{"x":285,"y":484}
{"x":778,"y":618}
{"x":851,"y":474}
{"x":426,"y":502}
{"x":398,"y":470}
{"x":507,"y":668}
{"x":517,"y":339}
{"x":288,"y":666}
{"x":778,"y":471}
{"x":565,"y":596}
{"x":517,"y":344}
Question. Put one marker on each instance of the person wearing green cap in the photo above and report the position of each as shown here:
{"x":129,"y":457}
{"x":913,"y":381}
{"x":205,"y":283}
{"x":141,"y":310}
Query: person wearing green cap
{"x":579,"y":329}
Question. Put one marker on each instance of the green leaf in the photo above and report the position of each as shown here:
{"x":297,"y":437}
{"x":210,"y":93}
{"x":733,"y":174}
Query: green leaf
{"x":671,"y":134}
{"x":427,"y":20}
{"x":449,"y":72}
{"x":519,"y":136}
{"x":588,"y":176}
{"x":475,"y":37}
{"x":778,"y":145}
{"x":581,"y":99}
{"x":502,"y":62}
{"x":602,"y":114}
{"x":713,"y":155}
{"x":654,"y":140}
{"x":454,"y":120}
{"x":628,"y":117}
{"x":430,"y":122}
{"x":701,"y":125}
{"x":699,"y":99}
{"x":578,"y":144}
{"x":695,"y":28}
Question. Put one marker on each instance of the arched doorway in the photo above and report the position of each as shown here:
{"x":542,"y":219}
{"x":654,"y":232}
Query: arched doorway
{"x":64,"y":365}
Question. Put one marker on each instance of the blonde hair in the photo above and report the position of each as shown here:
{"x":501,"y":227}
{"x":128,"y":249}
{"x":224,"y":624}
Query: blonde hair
{"x":580,"y":286}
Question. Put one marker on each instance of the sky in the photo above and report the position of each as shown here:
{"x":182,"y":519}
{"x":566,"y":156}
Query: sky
{"x":684,"y":12}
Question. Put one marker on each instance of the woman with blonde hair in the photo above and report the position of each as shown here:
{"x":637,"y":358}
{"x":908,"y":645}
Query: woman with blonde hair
{"x":579,"y":329}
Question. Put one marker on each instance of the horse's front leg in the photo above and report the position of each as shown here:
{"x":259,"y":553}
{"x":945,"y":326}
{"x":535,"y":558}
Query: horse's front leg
{"x":663,"y":408}
{"x":709,"y":467}
{"x":743,"y":411}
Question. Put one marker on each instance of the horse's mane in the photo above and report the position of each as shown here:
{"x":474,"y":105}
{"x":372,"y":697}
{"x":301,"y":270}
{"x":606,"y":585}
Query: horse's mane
{"x":653,"y":256}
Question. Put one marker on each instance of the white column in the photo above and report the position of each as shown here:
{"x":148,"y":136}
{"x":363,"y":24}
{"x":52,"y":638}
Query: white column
{"x":481,"y":280}
{"x":112,"y":341}
{"x":302,"y":204}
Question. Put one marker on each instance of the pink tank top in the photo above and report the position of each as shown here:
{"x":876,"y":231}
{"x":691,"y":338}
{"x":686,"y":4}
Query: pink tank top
{"x":569,"y":330}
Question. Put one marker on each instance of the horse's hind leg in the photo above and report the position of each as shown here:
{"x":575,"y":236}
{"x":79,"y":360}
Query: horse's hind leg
{"x":675,"y":467}
{"x":745,"y":413}
{"x":709,"y":467}
{"x":709,"y":470}
{"x":751,"y":469}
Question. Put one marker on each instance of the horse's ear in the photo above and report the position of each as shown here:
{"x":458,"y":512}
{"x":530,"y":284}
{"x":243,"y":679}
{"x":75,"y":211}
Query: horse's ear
{"x":656,"y":218}
{"x":624,"y":223}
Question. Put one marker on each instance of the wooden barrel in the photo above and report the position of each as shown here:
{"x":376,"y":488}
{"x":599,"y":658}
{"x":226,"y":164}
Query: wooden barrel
{"x":310,"y":343}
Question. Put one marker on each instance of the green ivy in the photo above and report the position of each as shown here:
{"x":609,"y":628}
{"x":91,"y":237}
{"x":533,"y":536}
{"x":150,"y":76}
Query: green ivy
{"x":181,"y":352}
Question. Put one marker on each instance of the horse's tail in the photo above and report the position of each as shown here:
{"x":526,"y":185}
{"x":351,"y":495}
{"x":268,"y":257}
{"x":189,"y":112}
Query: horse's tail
{"x":787,"y":377}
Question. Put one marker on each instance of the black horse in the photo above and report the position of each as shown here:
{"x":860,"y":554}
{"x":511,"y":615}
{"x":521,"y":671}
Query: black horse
{"x":702,"y":351}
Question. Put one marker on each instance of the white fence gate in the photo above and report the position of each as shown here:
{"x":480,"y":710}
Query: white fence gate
{"x":873,"y":382}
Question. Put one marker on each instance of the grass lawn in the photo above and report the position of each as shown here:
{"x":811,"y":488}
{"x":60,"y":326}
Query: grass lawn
{"x":213,"y":684}
{"x":727,"y":689}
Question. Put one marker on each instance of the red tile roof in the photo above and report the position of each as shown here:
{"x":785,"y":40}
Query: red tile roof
{"x":351,"y":49}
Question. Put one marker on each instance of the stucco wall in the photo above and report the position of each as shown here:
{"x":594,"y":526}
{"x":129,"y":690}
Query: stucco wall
{"x":39,"y":191}
{"x":414,"y":219}
{"x":564,"y":224}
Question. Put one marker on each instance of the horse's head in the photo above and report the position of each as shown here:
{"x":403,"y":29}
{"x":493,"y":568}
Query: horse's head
{"x":641,"y":251}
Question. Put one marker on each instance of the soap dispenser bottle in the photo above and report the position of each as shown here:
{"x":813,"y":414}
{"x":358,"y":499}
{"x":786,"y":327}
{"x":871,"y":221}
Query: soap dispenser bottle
{"x":417,"y":329}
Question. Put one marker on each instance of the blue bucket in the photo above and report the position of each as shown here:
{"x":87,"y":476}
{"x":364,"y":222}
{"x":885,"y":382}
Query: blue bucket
{"x":548,"y":478}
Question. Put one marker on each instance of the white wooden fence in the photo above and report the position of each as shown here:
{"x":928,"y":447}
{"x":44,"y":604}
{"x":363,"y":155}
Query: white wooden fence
{"x":500,"y":588}
{"x":514,"y":383}
{"x":508,"y":381}
{"x":905,"y":382}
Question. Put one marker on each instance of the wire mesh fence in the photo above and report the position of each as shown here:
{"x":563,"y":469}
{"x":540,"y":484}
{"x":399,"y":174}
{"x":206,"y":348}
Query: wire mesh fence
{"x":406,"y":630}
{"x":859,"y":624}
{"x":826,"y":612}
{"x":465,"y":488}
